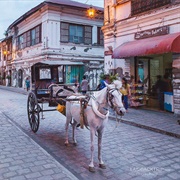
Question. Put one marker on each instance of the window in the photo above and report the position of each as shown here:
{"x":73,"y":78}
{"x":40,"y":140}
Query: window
{"x":28,"y":42}
{"x":33,"y":37}
{"x":88,"y":35}
{"x":24,"y":40}
{"x":45,"y":73}
{"x":139,"y":6}
{"x":29,"y":38}
{"x":20,"y":42}
{"x":38,"y":34}
{"x":61,"y":74}
{"x":76,"y":33}
{"x":100,"y":37}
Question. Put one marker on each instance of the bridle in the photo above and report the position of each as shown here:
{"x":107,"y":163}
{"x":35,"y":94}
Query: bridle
{"x":110,"y":97}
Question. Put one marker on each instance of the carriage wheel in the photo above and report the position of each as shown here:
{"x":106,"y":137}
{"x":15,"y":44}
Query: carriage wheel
{"x":33,"y":111}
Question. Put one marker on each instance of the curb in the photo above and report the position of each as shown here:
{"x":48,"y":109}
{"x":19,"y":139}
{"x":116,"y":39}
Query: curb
{"x":147,"y":127}
{"x":22,"y":91}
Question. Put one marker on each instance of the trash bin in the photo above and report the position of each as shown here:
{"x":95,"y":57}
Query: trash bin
{"x":168,"y":101}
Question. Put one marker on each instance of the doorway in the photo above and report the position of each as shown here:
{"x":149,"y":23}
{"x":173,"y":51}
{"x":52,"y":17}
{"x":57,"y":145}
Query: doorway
{"x":20,"y":76}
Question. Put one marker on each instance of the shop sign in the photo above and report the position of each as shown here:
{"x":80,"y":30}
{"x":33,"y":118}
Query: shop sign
{"x":152,"y":32}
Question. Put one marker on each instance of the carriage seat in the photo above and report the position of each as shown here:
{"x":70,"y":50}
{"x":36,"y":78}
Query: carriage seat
{"x":43,"y":84}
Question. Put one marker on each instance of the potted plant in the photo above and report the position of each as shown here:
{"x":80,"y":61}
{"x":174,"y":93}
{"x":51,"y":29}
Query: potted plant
{"x":8,"y":77}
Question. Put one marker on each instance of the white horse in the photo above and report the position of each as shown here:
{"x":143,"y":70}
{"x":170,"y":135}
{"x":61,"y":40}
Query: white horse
{"x":96,"y":113}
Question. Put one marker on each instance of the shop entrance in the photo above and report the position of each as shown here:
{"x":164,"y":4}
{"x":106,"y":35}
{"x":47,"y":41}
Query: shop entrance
{"x":146,"y":71}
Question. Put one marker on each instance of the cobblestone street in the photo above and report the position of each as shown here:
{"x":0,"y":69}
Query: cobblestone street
{"x":129,"y":152}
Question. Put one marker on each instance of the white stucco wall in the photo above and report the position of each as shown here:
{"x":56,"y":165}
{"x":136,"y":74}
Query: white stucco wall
{"x":124,"y":30}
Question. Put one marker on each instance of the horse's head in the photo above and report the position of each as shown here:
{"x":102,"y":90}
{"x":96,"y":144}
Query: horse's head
{"x":115,"y":97}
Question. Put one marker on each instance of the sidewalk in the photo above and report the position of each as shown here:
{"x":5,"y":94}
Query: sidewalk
{"x":22,"y":158}
{"x":161,"y":122}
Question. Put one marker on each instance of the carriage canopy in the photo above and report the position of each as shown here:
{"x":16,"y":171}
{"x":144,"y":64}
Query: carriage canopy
{"x":57,"y":71}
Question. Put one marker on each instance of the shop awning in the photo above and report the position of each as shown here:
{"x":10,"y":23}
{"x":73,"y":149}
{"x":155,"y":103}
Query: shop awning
{"x":156,"y":45}
{"x":60,"y":62}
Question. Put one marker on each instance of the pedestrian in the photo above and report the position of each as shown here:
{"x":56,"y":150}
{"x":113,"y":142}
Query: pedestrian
{"x":126,"y":92}
{"x":169,"y":83}
{"x":27,"y":82}
{"x":105,"y":79}
{"x":84,"y":85}
{"x":161,"y":87}
{"x":76,"y":87}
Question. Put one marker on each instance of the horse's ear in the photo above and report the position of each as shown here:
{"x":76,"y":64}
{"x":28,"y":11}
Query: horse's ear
{"x":109,"y":86}
{"x":117,"y":83}
{"x":106,"y":84}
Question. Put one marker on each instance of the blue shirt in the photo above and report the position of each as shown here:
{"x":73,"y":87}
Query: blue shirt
{"x":103,"y":85}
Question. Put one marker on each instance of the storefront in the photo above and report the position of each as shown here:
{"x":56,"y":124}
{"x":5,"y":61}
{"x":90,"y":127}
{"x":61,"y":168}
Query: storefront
{"x":148,"y":57}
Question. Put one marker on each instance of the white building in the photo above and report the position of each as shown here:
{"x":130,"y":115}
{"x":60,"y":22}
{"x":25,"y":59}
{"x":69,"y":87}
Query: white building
{"x":142,"y":39}
{"x":55,"y":30}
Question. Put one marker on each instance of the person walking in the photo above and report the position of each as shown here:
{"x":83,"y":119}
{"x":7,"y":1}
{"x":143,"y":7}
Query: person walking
{"x":126,"y":92}
{"x":84,"y":85}
{"x":27,"y":82}
{"x":105,"y":79}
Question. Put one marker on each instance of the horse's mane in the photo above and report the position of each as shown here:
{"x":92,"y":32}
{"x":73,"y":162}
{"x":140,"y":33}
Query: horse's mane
{"x":99,"y":93}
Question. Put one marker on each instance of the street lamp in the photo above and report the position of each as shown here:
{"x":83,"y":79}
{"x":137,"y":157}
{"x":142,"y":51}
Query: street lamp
{"x":5,"y":52}
{"x":91,"y":12}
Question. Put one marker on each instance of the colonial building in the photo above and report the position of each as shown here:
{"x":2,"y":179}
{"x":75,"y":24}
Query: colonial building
{"x":54,"y":30}
{"x":142,"y":39}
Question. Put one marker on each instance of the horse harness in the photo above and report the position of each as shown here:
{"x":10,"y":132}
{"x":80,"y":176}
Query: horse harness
{"x":84,"y":104}
{"x":110,"y":97}
{"x":83,"y":116}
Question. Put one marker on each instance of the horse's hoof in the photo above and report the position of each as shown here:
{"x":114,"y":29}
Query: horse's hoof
{"x":75,"y":144}
{"x":91,"y":169}
{"x":66,"y":144}
{"x":102,"y":166}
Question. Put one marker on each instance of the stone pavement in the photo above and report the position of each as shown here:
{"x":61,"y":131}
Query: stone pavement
{"x":152,"y":154}
{"x":22,"y":158}
{"x":161,"y":122}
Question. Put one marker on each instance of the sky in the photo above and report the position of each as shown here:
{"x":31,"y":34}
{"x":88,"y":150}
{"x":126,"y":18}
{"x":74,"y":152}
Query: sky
{"x":13,"y":9}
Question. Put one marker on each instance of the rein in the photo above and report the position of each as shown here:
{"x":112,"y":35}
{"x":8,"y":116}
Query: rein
{"x":110,"y":97}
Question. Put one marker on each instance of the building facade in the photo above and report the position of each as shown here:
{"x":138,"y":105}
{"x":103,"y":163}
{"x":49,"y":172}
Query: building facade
{"x":142,"y":40}
{"x":55,"y":30}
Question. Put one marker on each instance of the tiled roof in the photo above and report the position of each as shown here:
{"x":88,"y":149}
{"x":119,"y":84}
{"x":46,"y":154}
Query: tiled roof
{"x":71,"y":3}
{"x":58,"y":2}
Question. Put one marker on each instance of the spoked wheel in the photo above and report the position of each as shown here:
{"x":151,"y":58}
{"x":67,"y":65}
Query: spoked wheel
{"x":33,"y":110}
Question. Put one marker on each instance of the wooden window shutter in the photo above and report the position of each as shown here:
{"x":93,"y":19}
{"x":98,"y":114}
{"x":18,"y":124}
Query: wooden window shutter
{"x":28,"y":42}
{"x":87,"y":35}
{"x":64,"y":30}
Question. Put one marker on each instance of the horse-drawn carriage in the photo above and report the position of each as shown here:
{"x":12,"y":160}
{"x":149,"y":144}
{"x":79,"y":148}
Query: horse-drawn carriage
{"x":47,"y":87}
{"x":94,"y":111}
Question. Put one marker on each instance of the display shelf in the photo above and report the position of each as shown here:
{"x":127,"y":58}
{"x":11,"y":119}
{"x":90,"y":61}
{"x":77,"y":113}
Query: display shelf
{"x":138,"y":98}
